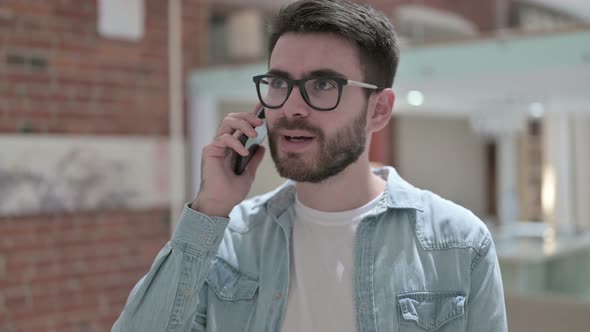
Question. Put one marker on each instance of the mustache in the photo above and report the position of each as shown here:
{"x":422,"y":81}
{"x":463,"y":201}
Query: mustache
{"x":297,"y":124}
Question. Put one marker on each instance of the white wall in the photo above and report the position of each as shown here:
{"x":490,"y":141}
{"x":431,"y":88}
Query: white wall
{"x":443,"y":155}
{"x":56,"y":174}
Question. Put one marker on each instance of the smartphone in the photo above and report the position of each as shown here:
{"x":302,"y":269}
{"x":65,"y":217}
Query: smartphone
{"x":251,"y":144}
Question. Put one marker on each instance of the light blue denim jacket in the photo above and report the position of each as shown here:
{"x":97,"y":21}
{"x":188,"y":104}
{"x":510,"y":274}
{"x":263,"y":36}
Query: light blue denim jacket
{"x":422,"y":264}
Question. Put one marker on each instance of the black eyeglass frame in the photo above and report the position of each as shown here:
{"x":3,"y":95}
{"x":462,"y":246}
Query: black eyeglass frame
{"x":341,"y":81}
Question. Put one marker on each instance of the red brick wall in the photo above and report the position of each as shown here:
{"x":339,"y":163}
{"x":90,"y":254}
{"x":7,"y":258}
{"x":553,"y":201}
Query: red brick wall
{"x":74,"y":272}
{"x":58,"y":76}
{"x":87,"y":84}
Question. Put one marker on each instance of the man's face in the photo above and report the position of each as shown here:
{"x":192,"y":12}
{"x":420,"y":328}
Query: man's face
{"x":309,"y":145}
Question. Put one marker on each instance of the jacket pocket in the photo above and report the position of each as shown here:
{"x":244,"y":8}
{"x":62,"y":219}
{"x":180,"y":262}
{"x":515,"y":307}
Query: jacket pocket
{"x":229,"y":284}
{"x":231,"y":298}
{"x":431,"y":311}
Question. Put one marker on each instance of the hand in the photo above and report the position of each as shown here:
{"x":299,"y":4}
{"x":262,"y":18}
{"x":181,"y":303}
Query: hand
{"x":221,"y":189}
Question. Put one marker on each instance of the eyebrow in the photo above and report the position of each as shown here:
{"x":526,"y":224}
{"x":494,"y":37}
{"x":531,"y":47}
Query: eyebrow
{"x":313,"y":73}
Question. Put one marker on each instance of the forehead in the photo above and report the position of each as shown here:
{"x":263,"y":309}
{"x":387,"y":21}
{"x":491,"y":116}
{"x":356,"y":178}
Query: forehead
{"x":300,"y":54}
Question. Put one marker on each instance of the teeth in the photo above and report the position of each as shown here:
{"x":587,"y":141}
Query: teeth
{"x":297,"y":139}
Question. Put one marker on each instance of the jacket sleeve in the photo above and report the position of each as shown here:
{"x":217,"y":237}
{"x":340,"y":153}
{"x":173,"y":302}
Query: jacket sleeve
{"x":486,"y":309}
{"x":166,"y":298}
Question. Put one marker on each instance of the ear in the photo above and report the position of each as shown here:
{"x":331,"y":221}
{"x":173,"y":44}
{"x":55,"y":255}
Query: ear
{"x":381,"y":111}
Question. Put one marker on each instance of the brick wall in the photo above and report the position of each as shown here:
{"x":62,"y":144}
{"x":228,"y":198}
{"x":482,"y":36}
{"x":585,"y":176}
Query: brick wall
{"x":74,"y":272}
{"x":58,"y":76}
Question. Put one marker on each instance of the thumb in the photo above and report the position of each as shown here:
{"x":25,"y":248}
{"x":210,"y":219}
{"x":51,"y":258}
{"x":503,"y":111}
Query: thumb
{"x":255,"y":161}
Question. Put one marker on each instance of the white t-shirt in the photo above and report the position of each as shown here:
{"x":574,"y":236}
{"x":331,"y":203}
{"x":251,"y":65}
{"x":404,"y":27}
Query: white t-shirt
{"x":322,"y":268}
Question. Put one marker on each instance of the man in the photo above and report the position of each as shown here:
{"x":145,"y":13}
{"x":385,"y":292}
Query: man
{"x":340,"y":247}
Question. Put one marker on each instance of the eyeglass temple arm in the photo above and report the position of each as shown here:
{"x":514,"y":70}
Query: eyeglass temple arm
{"x":362,"y":85}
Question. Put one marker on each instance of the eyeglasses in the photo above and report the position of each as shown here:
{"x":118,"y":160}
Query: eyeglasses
{"x":321,"y":93}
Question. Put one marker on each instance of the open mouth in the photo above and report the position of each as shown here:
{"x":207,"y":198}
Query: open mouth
{"x":298,"y":139}
{"x":296,"y":143}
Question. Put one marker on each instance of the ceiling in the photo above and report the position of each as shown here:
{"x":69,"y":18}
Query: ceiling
{"x":499,"y":74}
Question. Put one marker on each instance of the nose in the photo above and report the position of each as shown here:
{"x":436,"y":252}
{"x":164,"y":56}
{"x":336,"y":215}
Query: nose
{"x":295,"y":106}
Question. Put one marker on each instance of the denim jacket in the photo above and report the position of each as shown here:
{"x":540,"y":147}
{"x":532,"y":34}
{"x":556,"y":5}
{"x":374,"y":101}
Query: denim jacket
{"x":422,"y":263}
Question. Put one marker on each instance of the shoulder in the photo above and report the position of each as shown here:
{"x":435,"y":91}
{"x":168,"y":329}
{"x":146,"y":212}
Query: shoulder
{"x":251,"y":212}
{"x":250,"y":229}
{"x":443,"y":224}
{"x":439,"y":223}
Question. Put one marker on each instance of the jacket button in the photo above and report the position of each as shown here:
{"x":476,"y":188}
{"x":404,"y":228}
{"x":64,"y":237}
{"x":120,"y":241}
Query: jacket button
{"x":364,"y":306}
{"x":278,"y":296}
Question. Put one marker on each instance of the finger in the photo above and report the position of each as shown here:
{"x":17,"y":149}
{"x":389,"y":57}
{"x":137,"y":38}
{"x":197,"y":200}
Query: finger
{"x":253,"y":116}
{"x":250,"y":117}
{"x":257,"y":108}
{"x":255,"y":161}
{"x":243,"y":122}
{"x":228,"y":141}
{"x":215,"y":150}
{"x":232,"y":124}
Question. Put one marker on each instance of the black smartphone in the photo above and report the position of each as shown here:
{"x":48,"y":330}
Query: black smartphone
{"x":251,"y":144}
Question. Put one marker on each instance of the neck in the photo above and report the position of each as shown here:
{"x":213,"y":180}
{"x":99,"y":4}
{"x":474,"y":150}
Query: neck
{"x":353,"y":188}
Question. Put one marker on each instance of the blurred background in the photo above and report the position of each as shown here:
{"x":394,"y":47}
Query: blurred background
{"x":106,"y":104}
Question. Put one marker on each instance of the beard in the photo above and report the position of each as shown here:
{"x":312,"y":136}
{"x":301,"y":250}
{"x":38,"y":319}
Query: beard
{"x":334,"y":155}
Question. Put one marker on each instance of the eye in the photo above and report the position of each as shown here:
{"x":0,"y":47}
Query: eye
{"x":278,"y":83}
{"x":324,"y":84}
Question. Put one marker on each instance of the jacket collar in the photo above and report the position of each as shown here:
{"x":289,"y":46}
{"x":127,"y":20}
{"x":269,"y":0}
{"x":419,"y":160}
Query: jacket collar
{"x":399,"y":194}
